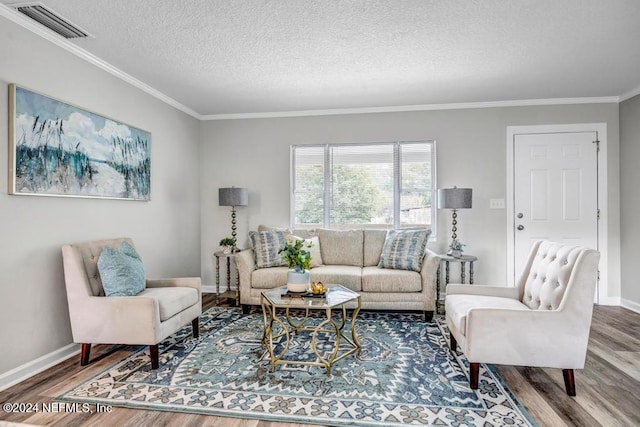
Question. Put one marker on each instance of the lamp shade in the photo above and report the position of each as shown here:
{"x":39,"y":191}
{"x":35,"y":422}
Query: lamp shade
{"x":233,"y":196}
{"x":454,"y":198}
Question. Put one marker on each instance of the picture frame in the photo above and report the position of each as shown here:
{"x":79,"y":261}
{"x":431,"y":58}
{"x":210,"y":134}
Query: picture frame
{"x":58,"y":149}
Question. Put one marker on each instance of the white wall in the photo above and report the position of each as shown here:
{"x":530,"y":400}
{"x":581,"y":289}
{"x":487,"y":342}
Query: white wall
{"x":630,"y":200}
{"x":33,"y":310}
{"x":471,"y":151}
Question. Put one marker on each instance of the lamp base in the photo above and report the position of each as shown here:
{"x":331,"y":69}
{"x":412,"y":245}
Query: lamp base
{"x":454,"y":222}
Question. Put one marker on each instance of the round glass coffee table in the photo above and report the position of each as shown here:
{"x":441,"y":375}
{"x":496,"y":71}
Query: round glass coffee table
{"x":279,"y":329}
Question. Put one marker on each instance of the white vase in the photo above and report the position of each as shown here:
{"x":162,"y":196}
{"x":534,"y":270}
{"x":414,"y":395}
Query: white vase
{"x":456,"y":253}
{"x":227,"y":249}
{"x":298,"y":281}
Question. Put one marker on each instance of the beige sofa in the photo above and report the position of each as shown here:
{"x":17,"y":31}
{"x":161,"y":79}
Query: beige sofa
{"x":350,"y":258}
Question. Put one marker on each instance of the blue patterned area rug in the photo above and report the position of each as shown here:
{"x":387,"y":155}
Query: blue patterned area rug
{"x":405,"y":375}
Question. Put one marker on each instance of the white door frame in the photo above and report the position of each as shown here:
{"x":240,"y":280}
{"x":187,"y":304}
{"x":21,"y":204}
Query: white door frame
{"x":601,"y":129}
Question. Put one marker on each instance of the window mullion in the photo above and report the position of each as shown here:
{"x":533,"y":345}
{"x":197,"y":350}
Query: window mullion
{"x":328,"y":186}
{"x":396,"y":185}
{"x":292,"y":187}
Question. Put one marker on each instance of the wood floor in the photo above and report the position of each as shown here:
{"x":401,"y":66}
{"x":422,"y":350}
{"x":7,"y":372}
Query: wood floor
{"x":608,"y":389}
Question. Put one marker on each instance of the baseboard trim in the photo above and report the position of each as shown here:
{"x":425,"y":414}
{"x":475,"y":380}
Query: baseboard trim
{"x":211,"y":289}
{"x":631,"y":305}
{"x":29,"y":369}
{"x":609,"y":301}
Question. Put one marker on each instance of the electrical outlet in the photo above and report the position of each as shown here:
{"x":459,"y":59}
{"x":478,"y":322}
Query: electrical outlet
{"x":496,"y":204}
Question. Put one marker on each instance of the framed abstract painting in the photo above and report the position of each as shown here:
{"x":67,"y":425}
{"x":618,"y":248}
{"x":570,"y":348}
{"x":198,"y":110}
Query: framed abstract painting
{"x":57,"y":149}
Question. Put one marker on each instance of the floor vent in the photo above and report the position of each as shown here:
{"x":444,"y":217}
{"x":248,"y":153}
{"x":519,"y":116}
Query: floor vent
{"x":50,"y":19}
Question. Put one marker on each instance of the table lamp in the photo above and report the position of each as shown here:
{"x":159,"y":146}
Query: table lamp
{"x":233,"y":197}
{"x":454,"y":198}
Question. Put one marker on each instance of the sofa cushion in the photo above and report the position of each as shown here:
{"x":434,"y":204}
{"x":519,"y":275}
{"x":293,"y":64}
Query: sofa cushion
{"x":263,"y":227}
{"x":373,"y":243}
{"x":266,"y":245}
{"x":171,"y":301}
{"x":342,"y":247}
{"x":268,"y":278}
{"x":375,"y":279}
{"x":305,"y":233}
{"x":404,"y":249}
{"x":121,"y":271}
{"x":346,"y":275}
{"x":457,"y":307}
{"x":314,"y":249}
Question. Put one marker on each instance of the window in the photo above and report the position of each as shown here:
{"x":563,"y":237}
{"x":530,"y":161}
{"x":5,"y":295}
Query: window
{"x":386,"y":185}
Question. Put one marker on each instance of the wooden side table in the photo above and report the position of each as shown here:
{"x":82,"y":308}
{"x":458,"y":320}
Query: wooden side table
{"x":463,"y":260}
{"x":228,"y":257}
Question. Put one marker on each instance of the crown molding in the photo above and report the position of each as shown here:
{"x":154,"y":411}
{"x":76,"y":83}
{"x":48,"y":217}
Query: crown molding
{"x":426,"y":107}
{"x":56,"y":39}
{"x":630,"y":94}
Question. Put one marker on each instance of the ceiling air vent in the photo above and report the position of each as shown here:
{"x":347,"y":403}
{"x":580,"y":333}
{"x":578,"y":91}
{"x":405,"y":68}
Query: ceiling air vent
{"x":50,"y":19}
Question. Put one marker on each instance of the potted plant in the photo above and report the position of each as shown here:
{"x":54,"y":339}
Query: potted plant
{"x":299,"y":260}
{"x":455,"y":248}
{"x":228,"y":244}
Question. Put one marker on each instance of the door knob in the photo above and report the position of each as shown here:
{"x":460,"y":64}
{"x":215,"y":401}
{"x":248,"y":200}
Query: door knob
{"x":520,"y":227}
{"x":520,"y":215}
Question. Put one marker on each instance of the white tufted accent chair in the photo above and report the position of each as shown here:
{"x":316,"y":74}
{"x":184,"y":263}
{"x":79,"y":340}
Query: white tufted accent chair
{"x":544,"y":321}
{"x":163,"y":307}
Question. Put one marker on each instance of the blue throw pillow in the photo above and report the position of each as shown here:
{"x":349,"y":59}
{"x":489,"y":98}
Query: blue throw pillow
{"x":121,"y":271}
{"x":404,"y":249}
{"x":266,"y":245}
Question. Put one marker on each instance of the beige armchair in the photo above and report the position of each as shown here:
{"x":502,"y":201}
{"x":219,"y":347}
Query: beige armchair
{"x":544,"y":321}
{"x":163,"y":307}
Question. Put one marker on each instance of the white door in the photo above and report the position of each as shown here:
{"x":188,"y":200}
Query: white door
{"x":555,"y":191}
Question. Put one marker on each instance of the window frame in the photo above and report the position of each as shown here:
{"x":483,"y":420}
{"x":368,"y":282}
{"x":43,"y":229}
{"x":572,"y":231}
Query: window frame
{"x":397,"y":178}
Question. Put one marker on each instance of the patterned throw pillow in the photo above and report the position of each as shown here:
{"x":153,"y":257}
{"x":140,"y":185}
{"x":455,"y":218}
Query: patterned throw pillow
{"x":404,"y":249}
{"x":121,"y":271}
{"x":266,"y":245}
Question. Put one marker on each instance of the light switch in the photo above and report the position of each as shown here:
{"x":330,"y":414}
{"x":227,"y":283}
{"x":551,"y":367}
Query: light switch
{"x":496,"y":204}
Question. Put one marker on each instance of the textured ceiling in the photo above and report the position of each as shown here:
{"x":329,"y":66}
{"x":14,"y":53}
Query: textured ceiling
{"x":255,"y":56}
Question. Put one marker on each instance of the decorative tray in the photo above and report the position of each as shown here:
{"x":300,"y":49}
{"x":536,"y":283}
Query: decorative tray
{"x":304,"y":295}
